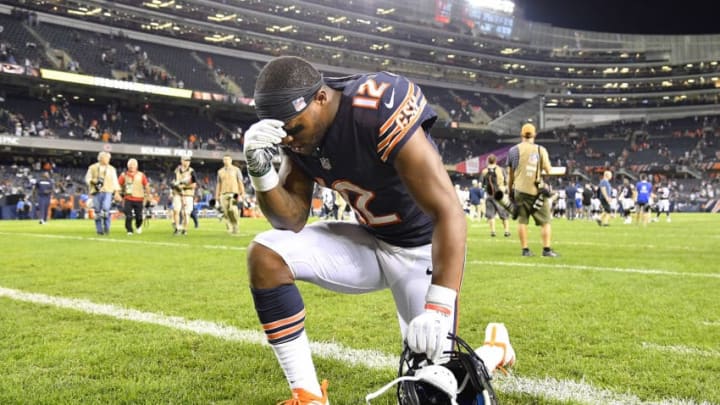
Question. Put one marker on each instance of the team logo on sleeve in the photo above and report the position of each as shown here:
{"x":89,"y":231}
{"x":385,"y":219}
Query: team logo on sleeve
{"x":398,"y":125}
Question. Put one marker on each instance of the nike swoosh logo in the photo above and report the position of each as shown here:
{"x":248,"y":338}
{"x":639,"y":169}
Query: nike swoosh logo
{"x":428,"y":271}
{"x":390,"y":103}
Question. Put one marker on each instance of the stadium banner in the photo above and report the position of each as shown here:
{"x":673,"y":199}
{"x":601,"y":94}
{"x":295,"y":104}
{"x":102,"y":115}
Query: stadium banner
{"x":115,"y":148}
{"x":18,"y":70}
{"x":559,"y":120}
{"x":76,"y":78}
{"x":476,"y":164}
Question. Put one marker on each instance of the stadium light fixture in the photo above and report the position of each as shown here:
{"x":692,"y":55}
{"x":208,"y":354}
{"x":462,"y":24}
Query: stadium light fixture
{"x":505,"y":6}
{"x":85,"y":11}
{"x":159,"y":4}
{"x":336,"y":20}
{"x":220,"y":38}
{"x":219,"y":17}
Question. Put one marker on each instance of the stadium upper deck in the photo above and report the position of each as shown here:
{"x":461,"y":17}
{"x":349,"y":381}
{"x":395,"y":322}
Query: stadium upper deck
{"x":493,"y":52}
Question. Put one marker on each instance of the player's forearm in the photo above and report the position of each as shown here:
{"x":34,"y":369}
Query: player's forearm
{"x":448,"y":249}
{"x":283,"y":209}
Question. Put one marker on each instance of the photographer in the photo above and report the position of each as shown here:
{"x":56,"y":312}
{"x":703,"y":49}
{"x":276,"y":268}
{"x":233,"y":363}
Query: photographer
{"x":526,"y":162}
{"x":494,"y":181}
{"x":136,"y":191}
{"x":183,"y":190}
{"x":228,"y":192}
{"x":101,"y":179}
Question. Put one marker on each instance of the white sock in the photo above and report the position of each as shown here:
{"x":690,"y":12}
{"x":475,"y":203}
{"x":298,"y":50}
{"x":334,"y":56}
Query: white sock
{"x":296,"y":361}
{"x":492,"y":356}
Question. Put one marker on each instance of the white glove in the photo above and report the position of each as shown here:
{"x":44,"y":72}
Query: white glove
{"x":260,"y":147}
{"x":428,"y":332}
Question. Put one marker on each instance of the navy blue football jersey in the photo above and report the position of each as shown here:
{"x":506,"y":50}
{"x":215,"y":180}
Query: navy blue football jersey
{"x":378,"y":113}
{"x":44,"y":187}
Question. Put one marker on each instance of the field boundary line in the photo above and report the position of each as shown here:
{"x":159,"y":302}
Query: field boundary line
{"x":128,"y":241}
{"x":561,"y":242}
{"x":559,"y":390}
{"x":552,"y":263}
{"x":680,"y":349}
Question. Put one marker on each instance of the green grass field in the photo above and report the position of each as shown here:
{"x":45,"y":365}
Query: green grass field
{"x":626,"y":315}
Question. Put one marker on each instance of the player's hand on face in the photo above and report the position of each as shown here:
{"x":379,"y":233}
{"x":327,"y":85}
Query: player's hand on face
{"x":260,"y":146}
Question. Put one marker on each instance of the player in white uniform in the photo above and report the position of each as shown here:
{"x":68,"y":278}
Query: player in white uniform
{"x":664,"y":201}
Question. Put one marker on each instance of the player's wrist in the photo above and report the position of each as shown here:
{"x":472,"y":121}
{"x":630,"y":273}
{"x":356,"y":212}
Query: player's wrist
{"x":440,"y":299}
{"x":266,"y":182}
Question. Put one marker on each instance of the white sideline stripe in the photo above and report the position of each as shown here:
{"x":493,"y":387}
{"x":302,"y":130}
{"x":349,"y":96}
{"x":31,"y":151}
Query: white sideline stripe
{"x":559,"y":390}
{"x":551,"y":264}
{"x":367,"y":358}
{"x":557,"y":242}
{"x":678,"y":349}
{"x":128,"y":241}
{"x":564,"y":390}
{"x":711,"y":323}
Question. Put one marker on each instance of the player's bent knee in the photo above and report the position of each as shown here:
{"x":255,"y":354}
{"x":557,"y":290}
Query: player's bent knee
{"x":266,"y":268}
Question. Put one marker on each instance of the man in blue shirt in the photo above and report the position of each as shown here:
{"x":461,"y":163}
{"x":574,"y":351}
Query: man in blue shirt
{"x":605,"y":193}
{"x":644,"y":192}
{"x":20,"y":208}
{"x":476,"y":199}
{"x":570,"y":192}
{"x":43,"y":191}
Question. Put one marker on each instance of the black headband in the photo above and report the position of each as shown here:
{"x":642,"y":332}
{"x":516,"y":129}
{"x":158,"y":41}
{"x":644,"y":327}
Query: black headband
{"x":284,"y":104}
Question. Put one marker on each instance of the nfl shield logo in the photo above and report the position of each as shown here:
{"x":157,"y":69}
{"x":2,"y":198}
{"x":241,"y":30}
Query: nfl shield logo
{"x":299,"y":104}
{"x":325,"y":163}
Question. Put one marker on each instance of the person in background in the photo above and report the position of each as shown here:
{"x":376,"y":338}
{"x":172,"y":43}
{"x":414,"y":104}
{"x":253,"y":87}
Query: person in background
{"x":663,"y":205}
{"x":477,"y":196}
{"x":183,"y":195}
{"x":43,"y":190}
{"x":136,"y":192}
{"x":102,"y":181}
{"x":627,"y":200}
{"x":605,"y":194}
{"x":526,"y":164}
{"x":494,"y":181}
{"x":643,"y":194}
{"x":228,"y":191}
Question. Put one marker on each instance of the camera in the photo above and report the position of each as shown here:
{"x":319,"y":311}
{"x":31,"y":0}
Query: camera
{"x":99,"y":184}
{"x":177,"y":186}
{"x":544,"y":191}
{"x":505,"y":201}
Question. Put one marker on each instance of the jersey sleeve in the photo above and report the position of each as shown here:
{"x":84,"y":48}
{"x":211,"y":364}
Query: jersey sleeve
{"x":392,"y":108}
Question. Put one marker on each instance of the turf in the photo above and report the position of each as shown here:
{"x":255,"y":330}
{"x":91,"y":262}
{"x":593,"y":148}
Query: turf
{"x":627,"y":309}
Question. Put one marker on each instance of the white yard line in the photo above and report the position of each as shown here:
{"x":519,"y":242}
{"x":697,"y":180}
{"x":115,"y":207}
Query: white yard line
{"x":558,"y":390}
{"x":559,"y":242}
{"x":127,"y":241}
{"x":679,"y":349}
{"x":711,"y":323}
{"x":552,"y":263}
